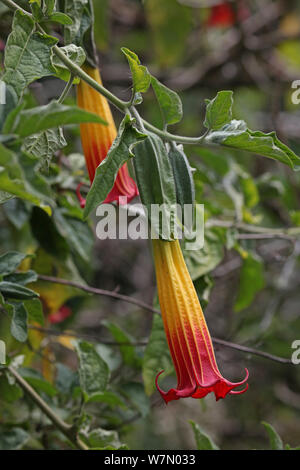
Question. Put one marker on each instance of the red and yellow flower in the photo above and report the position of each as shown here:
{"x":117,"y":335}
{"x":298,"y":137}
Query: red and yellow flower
{"x":187,"y":334}
{"x":97,"y":139}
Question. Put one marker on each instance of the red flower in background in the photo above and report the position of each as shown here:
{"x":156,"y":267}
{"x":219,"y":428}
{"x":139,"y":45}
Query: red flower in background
{"x":62,"y":314}
{"x":224,"y":14}
{"x":221,"y":15}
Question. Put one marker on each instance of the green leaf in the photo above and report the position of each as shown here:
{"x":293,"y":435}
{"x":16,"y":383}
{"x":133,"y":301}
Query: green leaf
{"x":101,"y":438}
{"x":156,"y":184}
{"x":119,"y":153}
{"x":251,"y":281}
{"x":203,"y":286}
{"x":203,"y":441}
{"x":5,"y":197}
{"x":75,"y":53}
{"x":156,"y":356}
{"x":49,"y":6}
{"x":54,"y":114}
{"x":11,"y":116}
{"x":16,"y":188}
{"x":33,"y":180}
{"x":169,"y":102}
{"x":236,"y":135}
{"x":27,"y":54}
{"x":22,"y":278}
{"x":13,"y":438}
{"x":36,"y":380}
{"x":80,"y":32}
{"x":6,"y":110}
{"x":35,"y":311}
{"x":93,"y":371}
{"x":219,"y":110}
{"x":10,"y":261}
{"x":37,"y":12}
{"x":18,"y":327}
{"x":15,"y":170}
{"x":204,"y":260}
{"x":108,"y":397}
{"x":61,"y":18}
{"x":15,"y":291}
{"x":135,"y":393}
{"x":66,"y":379}
{"x":45,"y":144}
{"x":77,"y":233}
{"x":127,"y":350}
{"x":46,"y":233}
{"x":17,"y":212}
{"x":185,"y":189}
{"x":140,"y":76}
{"x":9,"y":392}
{"x":275,"y":439}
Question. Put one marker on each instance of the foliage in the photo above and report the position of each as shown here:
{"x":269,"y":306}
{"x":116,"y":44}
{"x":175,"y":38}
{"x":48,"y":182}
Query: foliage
{"x":95,"y":369}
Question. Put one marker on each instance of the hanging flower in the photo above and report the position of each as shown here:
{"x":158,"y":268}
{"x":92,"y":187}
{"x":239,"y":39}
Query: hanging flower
{"x":97,"y":139}
{"x":186,"y":330}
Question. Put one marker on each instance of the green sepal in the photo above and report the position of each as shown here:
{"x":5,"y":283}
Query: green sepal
{"x":156,"y":183}
{"x":184,"y":183}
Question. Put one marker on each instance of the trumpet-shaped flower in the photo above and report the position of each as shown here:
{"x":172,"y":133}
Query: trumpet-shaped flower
{"x":97,"y":139}
{"x":187,"y":334}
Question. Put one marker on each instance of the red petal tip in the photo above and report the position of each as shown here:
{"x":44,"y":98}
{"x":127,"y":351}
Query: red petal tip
{"x":238,"y":392}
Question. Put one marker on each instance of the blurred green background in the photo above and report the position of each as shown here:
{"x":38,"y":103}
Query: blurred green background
{"x":249,"y":287}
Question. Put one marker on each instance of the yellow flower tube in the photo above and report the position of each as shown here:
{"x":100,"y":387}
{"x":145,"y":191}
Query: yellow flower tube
{"x":97,"y":139}
{"x":187,"y":334}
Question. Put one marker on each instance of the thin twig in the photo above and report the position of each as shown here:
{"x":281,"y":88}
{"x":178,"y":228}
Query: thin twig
{"x":88,"y":337}
{"x":253,"y":351}
{"x":221,"y":342}
{"x":94,"y":290}
{"x":67,"y":429}
{"x":290,"y":232}
{"x":263,"y":236}
{"x":67,"y":89}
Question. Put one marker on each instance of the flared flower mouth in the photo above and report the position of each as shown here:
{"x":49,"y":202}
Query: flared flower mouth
{"x":187,"y":334}
{"x":97,"y":139}
{"x":221,"y":387}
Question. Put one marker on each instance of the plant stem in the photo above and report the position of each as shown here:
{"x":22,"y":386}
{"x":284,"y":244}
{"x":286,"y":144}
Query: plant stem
{"x":291,"y":232}
{"x":94,"y":290}
{"x":65,"y":428}
{"x":167,"y":136}
{"x":67,"y":89}
{"x":13,"y":6}
{"x":218,"y":341}
{"x":78,"y":72}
